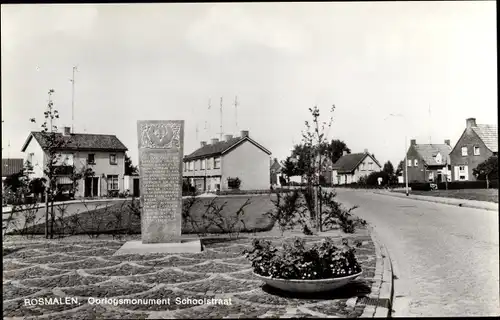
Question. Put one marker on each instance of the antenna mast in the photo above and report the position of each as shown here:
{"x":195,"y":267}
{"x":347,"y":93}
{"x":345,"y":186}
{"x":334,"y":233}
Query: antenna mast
{"x":236,"y":111}
{"x":75,"y":68}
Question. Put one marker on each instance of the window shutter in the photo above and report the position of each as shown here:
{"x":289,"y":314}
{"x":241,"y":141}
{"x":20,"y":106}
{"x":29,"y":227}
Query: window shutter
{"x":466,"y":169}
{"x":457,"y":174}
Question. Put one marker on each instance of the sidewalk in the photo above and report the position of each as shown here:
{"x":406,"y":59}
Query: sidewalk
{"x":484,"y":205}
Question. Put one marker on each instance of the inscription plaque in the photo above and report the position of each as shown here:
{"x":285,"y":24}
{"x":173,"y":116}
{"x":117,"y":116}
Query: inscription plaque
{"x":160,"y":166}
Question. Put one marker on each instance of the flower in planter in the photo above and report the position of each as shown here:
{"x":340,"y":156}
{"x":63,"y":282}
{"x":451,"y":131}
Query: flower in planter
{"x":295,"y":261}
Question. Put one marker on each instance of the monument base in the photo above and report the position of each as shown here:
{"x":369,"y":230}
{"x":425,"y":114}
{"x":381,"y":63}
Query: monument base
{"x":137,"y":247}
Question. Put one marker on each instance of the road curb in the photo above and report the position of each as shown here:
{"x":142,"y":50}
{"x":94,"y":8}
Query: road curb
{"x":383,"y":286}
{"x":457,"y":202}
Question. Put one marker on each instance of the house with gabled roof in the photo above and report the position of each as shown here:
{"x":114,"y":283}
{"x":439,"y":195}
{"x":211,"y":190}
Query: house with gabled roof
{"x":209,"y":167}
{"x":103,"y":153}
{"x":428,"y":162}
{"x":477,"y":143}
{"x":350,"y":167}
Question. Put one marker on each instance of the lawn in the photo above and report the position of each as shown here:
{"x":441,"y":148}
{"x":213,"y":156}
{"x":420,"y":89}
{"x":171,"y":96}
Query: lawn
{"x":490,"y":195}
{"x":122,"y":217}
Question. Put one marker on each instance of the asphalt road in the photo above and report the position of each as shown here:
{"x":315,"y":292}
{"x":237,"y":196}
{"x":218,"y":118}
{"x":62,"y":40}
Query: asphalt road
{"x":445,"y":258}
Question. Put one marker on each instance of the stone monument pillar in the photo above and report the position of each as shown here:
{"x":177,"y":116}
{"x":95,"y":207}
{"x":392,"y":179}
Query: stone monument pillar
{"x":161,"y":144}
{"x":160,"y":168}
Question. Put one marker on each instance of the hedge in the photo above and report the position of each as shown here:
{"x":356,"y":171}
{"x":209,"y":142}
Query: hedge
{"x":454,"y":185}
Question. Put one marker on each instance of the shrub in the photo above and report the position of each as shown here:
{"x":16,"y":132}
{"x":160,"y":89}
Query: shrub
{"x":296,"y":261}
{"x":420,"y":186}
{"x":455,"y":185}
{"x":233,"y":183}
{"x":372,"y":178}
{"x":336,"y":214}
{"x":286,"y":210}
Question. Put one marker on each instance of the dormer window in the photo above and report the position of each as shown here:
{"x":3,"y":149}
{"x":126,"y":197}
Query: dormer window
{"x":476,"y":151}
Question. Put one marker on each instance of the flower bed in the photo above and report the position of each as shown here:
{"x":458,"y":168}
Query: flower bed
{"x":296,"y":262}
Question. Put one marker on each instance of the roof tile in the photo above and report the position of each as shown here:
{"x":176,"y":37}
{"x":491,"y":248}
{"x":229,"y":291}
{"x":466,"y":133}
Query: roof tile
{"x":428,"y":152}
{"x":489,"y":134}
{"x":84,"y":141}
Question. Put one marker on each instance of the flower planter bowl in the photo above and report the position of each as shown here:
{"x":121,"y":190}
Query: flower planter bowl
{"x":307,"y":286}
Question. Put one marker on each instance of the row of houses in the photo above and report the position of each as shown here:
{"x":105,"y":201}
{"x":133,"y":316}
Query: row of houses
{"x":213,"y":164}
{"x":442,"y":162}
{"x":208,"y":168}
{"x":425,"y":162}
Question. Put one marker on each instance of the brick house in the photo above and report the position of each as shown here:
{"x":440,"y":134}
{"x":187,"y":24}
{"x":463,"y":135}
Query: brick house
{"x":428,"y":162}
{"x":477,"y":143}
{"x":104,"y":154}
{"x":350,"y":167}
{"x":209,"y":167}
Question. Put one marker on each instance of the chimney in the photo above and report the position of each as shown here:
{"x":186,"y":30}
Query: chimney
{"x":67,"y":131}
{"x":344,"y":153}
{"x":215,"y":140}
{"x":244,"y":133}
{"x":366,"y":150}
{"x":203,"y":143}
{"x":228,"y":137}
{"x":447,"y":142}
{"x":413,"y":142}
{"x":471,"y":122}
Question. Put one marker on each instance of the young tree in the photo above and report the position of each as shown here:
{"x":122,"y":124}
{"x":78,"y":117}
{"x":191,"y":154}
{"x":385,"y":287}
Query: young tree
{"x":389,"y":170}
{"x":52,"y":143}
{"x":130,"y":169}
{"x":313,"y":138}
{"x":486,"y":170}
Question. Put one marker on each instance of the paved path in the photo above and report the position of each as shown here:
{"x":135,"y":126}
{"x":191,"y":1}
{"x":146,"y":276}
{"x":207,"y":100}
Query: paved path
{"x":88,"y":269}
{"x":445,"y":257}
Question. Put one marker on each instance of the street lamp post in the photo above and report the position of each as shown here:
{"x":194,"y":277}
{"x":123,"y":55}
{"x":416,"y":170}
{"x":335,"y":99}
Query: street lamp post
{"x":405,"y":166}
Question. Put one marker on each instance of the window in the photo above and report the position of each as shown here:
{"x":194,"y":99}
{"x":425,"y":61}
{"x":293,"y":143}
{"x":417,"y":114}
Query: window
{"x":464,"y":151}
{"x":409,"y":163}
{"x":431,"y":176}
{"x":197,"y":165}
{"x":476,"y":151}
{"x":30,"y":158}
{"x":217,"y":163}
{"x":210,"y":163}
{"x":112,"y":159}
{"x":415,"y":163}
{"x":91,"y":158}
{"x":191,"y":165}
{"x":362,"y":167}
{"x":203,"y":164}
{"x":370,"y":165}
{"x":112,"y":182}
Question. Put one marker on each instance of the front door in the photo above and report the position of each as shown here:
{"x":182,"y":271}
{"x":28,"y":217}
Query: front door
{"x":88,"y":187}
{"x":95,"y":186}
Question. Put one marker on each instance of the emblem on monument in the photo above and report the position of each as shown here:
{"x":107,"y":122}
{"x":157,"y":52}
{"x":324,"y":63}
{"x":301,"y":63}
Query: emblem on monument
{"x":160,"y":135}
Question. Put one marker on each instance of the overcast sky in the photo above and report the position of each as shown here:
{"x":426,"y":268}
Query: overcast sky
{"x":165,"y":61}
